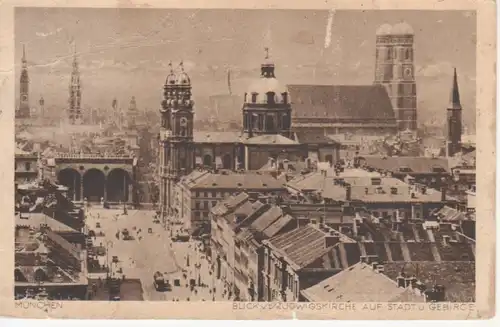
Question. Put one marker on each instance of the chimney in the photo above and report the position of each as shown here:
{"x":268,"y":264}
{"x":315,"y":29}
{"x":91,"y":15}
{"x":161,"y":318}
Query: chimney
{"x":401,"y":281}
{"x":380,"y":268}
{"x":443,"y":194}
{"x":363,"y":259}
{"x":409,"y":281}
{"x":418,"y":287}
{"x":331,"y":240}
{"x":302,"y":221}
{"x":348,"y":192}
{"x":446,"y":240}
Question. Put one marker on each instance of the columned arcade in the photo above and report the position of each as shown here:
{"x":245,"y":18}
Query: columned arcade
{"x":112,"y":185}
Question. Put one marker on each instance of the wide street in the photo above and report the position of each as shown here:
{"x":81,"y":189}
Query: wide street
{"x":147,"y":253}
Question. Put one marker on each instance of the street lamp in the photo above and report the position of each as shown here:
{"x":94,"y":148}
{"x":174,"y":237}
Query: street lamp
{"x":107,"y":258}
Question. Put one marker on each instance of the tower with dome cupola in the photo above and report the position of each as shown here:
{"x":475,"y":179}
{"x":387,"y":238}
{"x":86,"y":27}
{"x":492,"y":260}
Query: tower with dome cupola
{"x":266,"y":108}
{"x":394,"y":68}
{"x":176,"y":135}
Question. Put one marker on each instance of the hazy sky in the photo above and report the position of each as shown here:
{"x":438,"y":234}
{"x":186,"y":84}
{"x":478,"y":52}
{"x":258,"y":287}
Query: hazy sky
{"x":125,"y":52}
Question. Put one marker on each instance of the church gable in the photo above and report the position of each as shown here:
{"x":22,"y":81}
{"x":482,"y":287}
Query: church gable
{"x":341,"y":102}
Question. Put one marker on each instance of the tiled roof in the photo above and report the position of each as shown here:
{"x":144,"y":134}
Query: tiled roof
{"x":229,"y":203}
{"x":247,"y":180}
{"x":217,"y":137}
{"x":449,"y":214}
{"x":267,"y":218}
{"x":277,"y":225}
{"x":302,"y":246}
{"x":341,"y":102}
{"x":458,"y":278}
{"x":270,"y":139}
{"x":358,"y":283}
{"x":415,"y":165}
{"x":313,"y":138}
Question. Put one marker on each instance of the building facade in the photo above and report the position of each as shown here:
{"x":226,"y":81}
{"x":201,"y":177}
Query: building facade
{"x":394,"y":69}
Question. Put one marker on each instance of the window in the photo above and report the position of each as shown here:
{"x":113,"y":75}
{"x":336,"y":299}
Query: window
{"x":214,"y":203}
{"x":254,"y":97}
{"x":197,"y":205}
{"x":213,"y":194}
{"x":407,"y":54}
{"x":27,"y":165}
{"x":197,"y":215}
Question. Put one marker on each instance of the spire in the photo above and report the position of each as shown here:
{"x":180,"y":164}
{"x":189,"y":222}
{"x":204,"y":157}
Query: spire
{"x":24,"y":53}
{"x":171,"y":67}
{"x":455,"y":94}
{"x":181,"y":66}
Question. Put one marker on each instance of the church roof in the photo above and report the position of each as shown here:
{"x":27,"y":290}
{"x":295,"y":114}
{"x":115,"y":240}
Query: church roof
{"x":271,"y":139}
{"x":217,"y":137}
{"x":366,"y":102}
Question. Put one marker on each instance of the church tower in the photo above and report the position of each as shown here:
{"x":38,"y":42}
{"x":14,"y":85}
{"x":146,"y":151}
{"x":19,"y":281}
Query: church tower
{"x":75,"y":95}
{"x":176,"y":135}
{"x":132,"y":114}
{"x":266,"y":108}
{"x":394,"y":68}
{"x":454,"y":120}
{"x":24,"y":104}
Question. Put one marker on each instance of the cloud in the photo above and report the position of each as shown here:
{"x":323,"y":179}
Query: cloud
{"x":443,"y":68}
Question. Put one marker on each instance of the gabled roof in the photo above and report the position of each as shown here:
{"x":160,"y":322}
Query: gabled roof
{"x":217,"y":137}
{"x":270,"y":139}
{"x":313,"y":138}
{"x":247,"y":180}
{"x":365,"y":102}
{"x":358,"y":283}
{"x":412,"y":165}
{"x":302,"y":246}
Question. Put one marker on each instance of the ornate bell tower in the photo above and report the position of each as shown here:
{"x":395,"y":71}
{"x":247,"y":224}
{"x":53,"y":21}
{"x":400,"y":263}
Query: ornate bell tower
{"x":24,"y":104}
{"x":176,"y":136}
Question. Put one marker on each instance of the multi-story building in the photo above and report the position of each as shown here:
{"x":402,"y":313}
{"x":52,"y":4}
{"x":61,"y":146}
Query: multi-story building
{"x":198,"y":192}
{"x":431,"y":171}
{"x":25,"y":166}
{"x":301,"y":258}
{"x":239,"y":225}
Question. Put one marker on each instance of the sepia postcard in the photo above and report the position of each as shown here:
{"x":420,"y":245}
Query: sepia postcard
{"x":262,"y":160}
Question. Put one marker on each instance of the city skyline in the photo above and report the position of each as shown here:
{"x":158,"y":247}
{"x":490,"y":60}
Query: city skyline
{"x":124,"y":60}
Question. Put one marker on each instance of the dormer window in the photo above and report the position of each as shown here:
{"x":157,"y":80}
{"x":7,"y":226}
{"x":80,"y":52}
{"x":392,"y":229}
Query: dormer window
{"x":404,"y":169}
{"x":254,"y":97}
{"x":270,"y":97}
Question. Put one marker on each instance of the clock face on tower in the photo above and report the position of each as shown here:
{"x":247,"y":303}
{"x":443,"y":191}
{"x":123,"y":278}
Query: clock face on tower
{"x":24,"y":97}
{"x":183,"y":121}
{"x":408,"y":73}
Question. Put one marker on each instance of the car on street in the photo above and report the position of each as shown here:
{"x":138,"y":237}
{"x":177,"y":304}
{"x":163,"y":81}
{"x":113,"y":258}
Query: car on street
{"x":115,"y":259}
{"x":159,"y":281}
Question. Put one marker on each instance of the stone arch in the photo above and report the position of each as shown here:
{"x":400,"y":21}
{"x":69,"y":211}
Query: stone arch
{"x":94,"y":182}
{"x":117,"y":185}
{"x":207,"y":160}
{"x":71,"y":178}
{"x":40,"y":275}
{"x":226,"y":161}
{"x":19,"y":276}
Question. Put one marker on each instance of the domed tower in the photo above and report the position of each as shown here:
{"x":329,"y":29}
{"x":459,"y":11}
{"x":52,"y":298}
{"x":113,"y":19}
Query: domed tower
{"x":266,"y":108}
{"x":176,"y":135}
{"x":394,"y":68}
